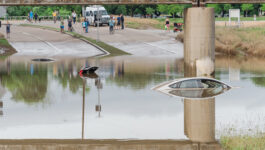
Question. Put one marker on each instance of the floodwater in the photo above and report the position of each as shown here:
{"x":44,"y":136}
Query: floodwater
{"x":49,"y":100}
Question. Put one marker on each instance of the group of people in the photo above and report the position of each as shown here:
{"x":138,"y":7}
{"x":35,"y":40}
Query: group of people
{"x":56,"y":16}
{"x":69,"y":24}
{"x":32,"y":16}
{"x":119,"y":23}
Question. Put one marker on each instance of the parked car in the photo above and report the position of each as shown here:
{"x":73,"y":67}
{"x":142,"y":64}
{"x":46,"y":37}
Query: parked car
{"x":97,"y":14}
{"x":197,"y":87}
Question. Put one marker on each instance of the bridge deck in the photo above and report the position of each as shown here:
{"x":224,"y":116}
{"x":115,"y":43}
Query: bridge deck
{"x":92,"y":2}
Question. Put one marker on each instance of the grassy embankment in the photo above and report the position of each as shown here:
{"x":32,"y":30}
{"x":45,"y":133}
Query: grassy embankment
{"x":247,"y":40}
{"x":243,"y":142}
{"x":145,"y":23}
{"x":5,"y":47}
{"x":112,"y":50}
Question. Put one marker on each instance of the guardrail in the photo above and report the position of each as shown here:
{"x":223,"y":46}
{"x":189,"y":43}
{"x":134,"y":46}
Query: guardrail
{"x":41,"y":17}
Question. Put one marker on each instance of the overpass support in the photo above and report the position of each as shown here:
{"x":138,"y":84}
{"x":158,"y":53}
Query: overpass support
{"x":199,"y":40}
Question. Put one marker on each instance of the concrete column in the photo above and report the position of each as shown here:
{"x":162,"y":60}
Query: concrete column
{"x":199,"y":120}
{"x":83,"y":11}
{"x":199,"y":40}
{"x":2,"y":11}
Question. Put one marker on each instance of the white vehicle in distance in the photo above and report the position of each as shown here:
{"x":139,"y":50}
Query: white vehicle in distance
{"x":92,"y":12}
{"x":194,"y":88}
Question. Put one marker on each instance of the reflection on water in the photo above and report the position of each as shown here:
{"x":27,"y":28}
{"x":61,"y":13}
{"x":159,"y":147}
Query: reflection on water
{"x":199,"y":119}
{"x":259,"y":81}
{"x":198,"y":94}
{"x":44,"y":100}
{"x":2,"y":92}
{"x":30,"y":87}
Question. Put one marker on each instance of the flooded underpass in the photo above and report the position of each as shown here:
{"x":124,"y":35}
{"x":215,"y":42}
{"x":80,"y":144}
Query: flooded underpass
{"x":49,"y":100}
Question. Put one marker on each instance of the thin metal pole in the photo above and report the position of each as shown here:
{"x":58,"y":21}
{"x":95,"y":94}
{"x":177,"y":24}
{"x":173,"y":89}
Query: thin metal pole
{"x":97,"y":24}
{"x":99,"y":103}
{"x":83,"y":108}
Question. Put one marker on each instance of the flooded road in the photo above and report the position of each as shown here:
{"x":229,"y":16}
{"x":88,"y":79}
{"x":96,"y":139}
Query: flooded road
{"x":50,"y":100}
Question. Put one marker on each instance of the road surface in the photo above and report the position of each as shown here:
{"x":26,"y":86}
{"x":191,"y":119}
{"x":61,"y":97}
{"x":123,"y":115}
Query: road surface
{"x":146,"y":43}
{"x":34,"y":42}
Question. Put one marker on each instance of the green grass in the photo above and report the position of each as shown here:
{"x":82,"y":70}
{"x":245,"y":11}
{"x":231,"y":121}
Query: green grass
{"x":9,"y":49}
{"x":262,"y":18}
{"x":4,"y":42}
{"x":133,"y":25}
{"x":243,"y":142}
{"x":180,"y":20}
{"x":112,"y":50}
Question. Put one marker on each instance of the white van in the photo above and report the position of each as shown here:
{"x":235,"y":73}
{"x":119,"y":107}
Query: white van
{"x":91,"y":15}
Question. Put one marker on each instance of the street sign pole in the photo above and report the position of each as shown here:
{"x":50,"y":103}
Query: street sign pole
{"x":97,"y":24}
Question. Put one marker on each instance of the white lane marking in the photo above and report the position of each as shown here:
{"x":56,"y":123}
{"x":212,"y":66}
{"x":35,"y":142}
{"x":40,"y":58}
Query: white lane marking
{"x":160,"y":47}
{"x":57,"y":51}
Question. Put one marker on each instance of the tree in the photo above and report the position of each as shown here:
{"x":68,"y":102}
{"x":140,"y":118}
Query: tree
{"x":227,"y":7}
{"x":131,"y":9}
{"x":121,"y":10}
{"x":217,"y":8}
{"x":220,"y":8}
{"x":246,"y":8}
{"x":262,"y":7}
{"x":149,"y":11}
{"x":162,"y":9}
{"x":174,"y":9}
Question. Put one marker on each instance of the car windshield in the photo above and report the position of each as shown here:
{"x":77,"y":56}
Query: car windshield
{"x":210,"y":83}
{"x":190,"y":84}
{"x":197,"y":93}
{"x":197,"y":83}
{"x":102,"y":12}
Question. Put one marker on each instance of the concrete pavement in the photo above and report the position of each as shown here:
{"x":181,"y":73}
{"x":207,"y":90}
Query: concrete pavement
{"x":34,"y":42}
{"x":147,"y":43}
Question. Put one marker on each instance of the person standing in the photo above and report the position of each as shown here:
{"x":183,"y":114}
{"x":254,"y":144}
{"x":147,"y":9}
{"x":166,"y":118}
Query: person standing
{"x":111,"y":25}
{"x":36,"y":17}
{"x":74,"y":16}
{"x":54,"y":16}
{"x":58,"y":15}
{"x":70,"y":24}
{"x":118,"y":22}
{"x":31,"y":15}
{"x":7,"y":29}
{"x":87,"y":24}
{"x":167,"y":26}
{"x":84,"y":24}
{"x":62,"y":26}
{"x":122,"y":21}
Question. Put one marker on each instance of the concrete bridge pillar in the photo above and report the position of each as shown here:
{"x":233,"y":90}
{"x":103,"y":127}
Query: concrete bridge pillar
{"x":199,"y":40}
{"x":83,"y":11}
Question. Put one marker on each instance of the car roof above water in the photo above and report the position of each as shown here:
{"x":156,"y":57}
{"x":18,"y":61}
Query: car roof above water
{"x":185,"y":79}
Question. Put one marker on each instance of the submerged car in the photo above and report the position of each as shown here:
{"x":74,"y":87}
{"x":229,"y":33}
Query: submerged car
{"x":197,"y":87}
{"x":88,"y":70}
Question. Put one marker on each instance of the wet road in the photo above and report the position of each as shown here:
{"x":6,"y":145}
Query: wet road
{"x":34,"y":42}
{"x":142,"y":43}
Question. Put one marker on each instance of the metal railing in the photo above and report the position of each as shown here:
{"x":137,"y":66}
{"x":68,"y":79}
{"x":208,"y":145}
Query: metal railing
{"x":47,"y":18}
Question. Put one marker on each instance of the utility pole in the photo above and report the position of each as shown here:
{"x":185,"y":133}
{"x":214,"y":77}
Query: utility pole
{"x":97,"y":24}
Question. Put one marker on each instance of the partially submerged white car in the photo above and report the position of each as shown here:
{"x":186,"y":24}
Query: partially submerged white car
{"x":197,"y":87}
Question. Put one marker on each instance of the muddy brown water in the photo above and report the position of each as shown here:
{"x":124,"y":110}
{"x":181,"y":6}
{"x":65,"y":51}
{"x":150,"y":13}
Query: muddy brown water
{"x":51,"y":101}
